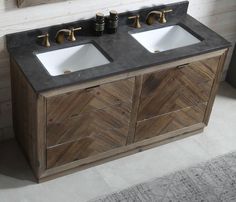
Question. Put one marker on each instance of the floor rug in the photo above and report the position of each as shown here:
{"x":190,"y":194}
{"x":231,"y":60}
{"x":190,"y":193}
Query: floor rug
{"x":213,"y":181}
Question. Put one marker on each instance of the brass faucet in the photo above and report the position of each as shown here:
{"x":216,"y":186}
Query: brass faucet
{"x":71,"y":34}
{"x":152,"y":15}
{"x":136,"y":21}
{"x":45,"y":41}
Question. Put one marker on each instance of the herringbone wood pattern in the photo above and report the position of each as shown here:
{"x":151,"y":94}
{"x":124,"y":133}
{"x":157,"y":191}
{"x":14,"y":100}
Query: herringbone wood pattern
{"x":69,"y":105}
{"x":68,"y":114}
{"x":95,"y":132}
{"x":177,"y":88}
{"x":169,"y":122}
{"x":94,"y":121}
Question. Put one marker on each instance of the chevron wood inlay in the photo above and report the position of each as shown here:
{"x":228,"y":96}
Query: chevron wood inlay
{"x":70,"y":105}
{"x":170,"y":122}
{"x":177,"y":88}
{"x":91,"y":134}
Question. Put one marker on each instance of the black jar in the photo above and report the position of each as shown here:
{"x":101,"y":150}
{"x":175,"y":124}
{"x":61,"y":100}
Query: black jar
{"x":112,"y":22}
{"x":99,"y":24}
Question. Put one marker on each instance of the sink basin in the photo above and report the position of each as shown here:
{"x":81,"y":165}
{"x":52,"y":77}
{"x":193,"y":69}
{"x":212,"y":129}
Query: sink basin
{"x":164,"y":39}
{"x":72,"y":59}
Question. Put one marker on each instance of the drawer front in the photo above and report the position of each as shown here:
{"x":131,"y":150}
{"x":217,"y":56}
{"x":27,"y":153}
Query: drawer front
{"x":170,"y":122}
{"x":177,"y":88}
{"x":67,"y":106}
{"x":93,"y":133}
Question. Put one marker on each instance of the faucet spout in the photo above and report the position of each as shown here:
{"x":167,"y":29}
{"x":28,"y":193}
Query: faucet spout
{"x":151,"y":17}
{"x":60,"y":35}
{"x":71,"y":34}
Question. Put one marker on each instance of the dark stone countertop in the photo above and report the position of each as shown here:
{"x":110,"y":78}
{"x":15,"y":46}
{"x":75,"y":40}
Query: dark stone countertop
{"x":125,"y":52}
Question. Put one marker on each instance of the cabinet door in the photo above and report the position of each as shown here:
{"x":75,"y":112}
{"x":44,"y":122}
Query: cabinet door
{"x":176,"y":88}
{"x":175,"y":98}
{"x":169,"y":122}
{"x":97,"y":132}
{"x":64,"y":110}
{"x":88,"y":122}
{"x":66,"y":106}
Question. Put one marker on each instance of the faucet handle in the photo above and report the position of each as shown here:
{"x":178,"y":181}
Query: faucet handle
{"x":136,"y":21}
{"x":163,"y":16}
{"x":45,"y":41}
{"x":72,"y":33}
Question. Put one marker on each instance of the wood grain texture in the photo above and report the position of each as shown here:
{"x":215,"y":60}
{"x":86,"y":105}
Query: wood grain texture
{"x":95,"y":132}
{"x":91,"y":123}
{"x":215,"y":87}
{"x":170,"y":122}
{"x":135,"y":106}
{"x":40,"y":139}
{"x":121,"y":152}
{"x":68,"y":112}
{"x":76,"y":166}
{"x":66,"y":106}
{"x":25,"y":119}
{"x":177,"y":88}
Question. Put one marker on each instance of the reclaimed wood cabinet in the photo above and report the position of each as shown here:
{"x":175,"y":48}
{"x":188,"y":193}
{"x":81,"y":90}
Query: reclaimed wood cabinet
{"x":87,"y":124}
{"x":175,"y":98}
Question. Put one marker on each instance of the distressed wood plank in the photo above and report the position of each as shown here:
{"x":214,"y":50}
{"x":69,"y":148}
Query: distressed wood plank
{"x":95,"y":133}
{"x":177,"y":88}
{"x":25,"y":118}
{"x":170,"y":122}
{"x":65,"y":106}
{"x":69,"y":115}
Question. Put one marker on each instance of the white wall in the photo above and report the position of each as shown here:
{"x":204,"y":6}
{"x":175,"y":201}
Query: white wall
{"x":219,"y":15}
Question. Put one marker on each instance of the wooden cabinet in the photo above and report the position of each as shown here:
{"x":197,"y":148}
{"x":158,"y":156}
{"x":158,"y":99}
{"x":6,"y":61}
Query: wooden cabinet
{"x":175,"y":98}
{"x":88,"y":122}
{"x":83,"y":125}
{"x":77,"y":114}
{"x":177,"y":88}
{"x":170,"y":122}
{"x":92,"y":133}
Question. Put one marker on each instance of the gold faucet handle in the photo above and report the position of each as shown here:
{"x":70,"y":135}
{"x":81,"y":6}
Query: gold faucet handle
{"x":136,"y":21}
{"x":72,"y":33}
{"x":45,"y":41}
{"x":163,"y":16}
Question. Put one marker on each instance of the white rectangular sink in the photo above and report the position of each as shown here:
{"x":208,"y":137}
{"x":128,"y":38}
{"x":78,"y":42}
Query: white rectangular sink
{"x":72,"y":59}
{"x":166,"y":38}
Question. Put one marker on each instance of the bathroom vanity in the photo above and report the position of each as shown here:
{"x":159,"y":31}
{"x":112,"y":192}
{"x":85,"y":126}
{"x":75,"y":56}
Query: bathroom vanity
{"x":131,"y":97}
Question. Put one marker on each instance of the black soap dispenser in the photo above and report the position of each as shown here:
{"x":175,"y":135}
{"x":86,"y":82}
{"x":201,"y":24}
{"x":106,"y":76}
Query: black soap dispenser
{"x":112,"y":22}
{"x":99,"y":24}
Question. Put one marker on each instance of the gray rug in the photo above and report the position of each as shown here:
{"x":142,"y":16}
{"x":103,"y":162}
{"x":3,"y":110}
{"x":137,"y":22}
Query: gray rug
{"x":212,"y":181}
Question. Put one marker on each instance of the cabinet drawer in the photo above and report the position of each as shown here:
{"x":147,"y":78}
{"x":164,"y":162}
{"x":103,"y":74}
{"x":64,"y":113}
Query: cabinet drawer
{"x":69,"y":105}
{"x":170,"y":122}
{"x":88,"y":135}
{"x":177,"y":88}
